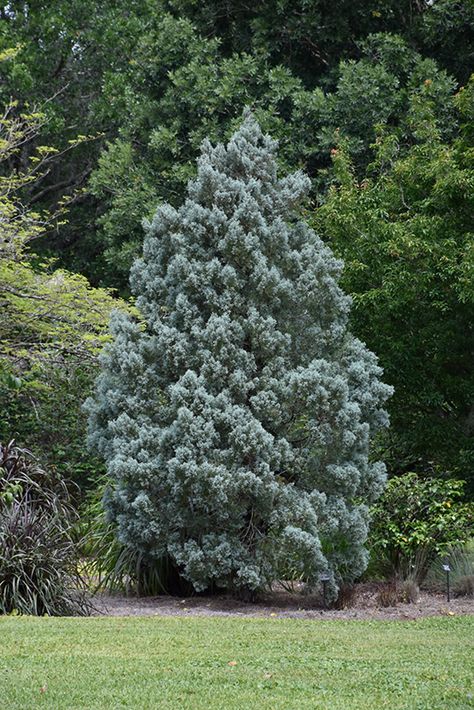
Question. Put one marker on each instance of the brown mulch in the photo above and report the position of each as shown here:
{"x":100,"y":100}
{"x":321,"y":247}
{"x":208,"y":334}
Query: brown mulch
{"x":281,"y":604}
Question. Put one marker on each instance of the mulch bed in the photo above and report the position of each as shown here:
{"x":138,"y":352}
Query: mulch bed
{"x":365,"y":604}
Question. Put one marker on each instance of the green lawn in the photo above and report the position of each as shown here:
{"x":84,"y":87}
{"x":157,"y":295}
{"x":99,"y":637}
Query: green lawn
{"x":183,"y":662}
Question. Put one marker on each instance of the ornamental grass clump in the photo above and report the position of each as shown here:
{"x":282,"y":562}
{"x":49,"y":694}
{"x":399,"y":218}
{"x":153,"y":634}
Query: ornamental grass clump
{"x":116,"y":567}
{"x":235,"y":419}
{"x":460,"y":559}
{"x":38,"y":550}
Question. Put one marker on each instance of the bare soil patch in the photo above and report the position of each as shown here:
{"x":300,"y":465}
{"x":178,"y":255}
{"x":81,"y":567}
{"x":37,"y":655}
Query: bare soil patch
{"x":282,"y":604}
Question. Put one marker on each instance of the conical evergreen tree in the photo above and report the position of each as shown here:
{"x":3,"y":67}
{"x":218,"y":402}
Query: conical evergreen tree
{"x":236,"y":421}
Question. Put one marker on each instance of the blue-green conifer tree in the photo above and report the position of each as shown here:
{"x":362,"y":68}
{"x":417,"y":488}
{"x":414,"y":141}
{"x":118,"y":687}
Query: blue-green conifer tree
{"x":235,"y":421}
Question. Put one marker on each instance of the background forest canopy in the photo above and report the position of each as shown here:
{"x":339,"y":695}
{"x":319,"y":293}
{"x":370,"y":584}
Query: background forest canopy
{"x":106,"y":105}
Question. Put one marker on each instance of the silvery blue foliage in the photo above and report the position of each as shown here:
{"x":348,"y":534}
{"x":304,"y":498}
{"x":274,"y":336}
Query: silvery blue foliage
{"x":236,"y":422}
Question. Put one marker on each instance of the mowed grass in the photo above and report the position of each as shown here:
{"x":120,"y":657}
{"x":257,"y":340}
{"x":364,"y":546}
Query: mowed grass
{"x":183,"y":662}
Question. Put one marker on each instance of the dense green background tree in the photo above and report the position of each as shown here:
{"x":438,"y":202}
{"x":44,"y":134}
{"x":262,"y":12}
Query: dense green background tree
{"x":52,"y":322}
{"x":63,"y":50}
{"x":311,"y":38}
{"x":145,"y":81}
{"x":178,"y":90}
{"x":120,"y":63}
{"x":406,"y":233}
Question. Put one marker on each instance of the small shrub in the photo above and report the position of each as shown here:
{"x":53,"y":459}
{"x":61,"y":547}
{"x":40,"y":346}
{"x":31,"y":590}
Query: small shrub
{"x":346,"y":597}
{"x":388,"y":594}
{"x":414,"y":521}
{"x":395,"y":592}
{"x":465,"y":586}
{"x":408,"y":591}
{"x":38,"y":559}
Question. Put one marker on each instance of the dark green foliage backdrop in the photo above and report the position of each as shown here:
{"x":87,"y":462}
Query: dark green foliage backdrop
{"x":144,"y":81}
{"x":405,"y":231}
